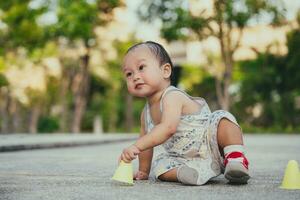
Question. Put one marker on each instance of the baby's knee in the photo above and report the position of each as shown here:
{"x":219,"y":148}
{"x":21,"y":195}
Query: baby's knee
{"x":193,"y":176}
{"x":228,"y":125}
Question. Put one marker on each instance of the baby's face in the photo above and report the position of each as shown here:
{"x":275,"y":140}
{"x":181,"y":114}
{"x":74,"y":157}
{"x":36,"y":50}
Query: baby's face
{"x":142,"y":71}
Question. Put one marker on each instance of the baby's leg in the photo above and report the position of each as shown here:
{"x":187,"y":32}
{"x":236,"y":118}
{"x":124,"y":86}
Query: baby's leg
{"x":170,"y":176}
{"x":230,"y":141}
{"x":228,"y":134}
{"x":184,"y":174}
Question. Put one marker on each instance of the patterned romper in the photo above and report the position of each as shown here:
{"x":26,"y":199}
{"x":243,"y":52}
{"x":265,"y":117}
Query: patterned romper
{"x":195,"y":142}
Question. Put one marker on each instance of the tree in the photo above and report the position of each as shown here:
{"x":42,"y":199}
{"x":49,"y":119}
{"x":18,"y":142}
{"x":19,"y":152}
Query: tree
{"x":76,"y":22}
{"x":272,"y":80}
{"x":20,"y":30}
{"x":179,"y":22}
{"x":21,"y":27}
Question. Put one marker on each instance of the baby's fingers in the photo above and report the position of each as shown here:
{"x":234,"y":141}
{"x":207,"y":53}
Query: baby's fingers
{"x":125,"y":158}
{"x":132,"y":156}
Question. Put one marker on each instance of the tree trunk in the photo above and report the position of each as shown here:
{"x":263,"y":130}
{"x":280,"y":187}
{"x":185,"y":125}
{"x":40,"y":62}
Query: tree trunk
{"x":4,"y":104}
{"x":64,"y":102}
{"x":82,"y":80}
{"x":224,"y":35}
{"x":220,"y":95}
{"x":16,"y":119}
{"x":113,"y":116}
{"x":222,"y":87}
{"x":223,"y":94}
{"x":34,"y":118}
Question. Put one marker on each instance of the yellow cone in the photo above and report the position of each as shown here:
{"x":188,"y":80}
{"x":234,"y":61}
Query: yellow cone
{"x":291,"y":179}
{"x":124,"y":173}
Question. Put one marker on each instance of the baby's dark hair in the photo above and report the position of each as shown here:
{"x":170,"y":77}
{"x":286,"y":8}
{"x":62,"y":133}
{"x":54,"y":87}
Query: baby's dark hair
{"x":158,"y":50}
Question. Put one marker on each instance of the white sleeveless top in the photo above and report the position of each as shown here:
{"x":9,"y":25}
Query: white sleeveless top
{"x":190,"y":134}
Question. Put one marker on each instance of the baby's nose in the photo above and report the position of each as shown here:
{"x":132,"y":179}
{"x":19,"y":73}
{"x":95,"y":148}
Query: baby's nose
{"x":136,"y":76}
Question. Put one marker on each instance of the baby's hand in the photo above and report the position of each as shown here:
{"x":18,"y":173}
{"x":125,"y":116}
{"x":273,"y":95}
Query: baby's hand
{"x":130,"y":153}
{"x":140,"y":175}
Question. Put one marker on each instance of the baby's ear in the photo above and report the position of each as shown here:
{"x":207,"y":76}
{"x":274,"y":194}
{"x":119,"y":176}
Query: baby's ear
{"x":167,"y":69}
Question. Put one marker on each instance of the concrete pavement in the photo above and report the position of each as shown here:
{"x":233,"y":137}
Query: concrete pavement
{"x":84,"y":172}
{"x":17,"y":142}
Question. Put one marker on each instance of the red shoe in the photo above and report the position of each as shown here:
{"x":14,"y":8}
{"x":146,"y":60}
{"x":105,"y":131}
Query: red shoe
{"x":236,"y":168}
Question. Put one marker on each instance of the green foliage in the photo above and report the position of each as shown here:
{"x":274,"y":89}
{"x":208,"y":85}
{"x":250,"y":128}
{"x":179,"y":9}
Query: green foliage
{"x":22,"y":28}
{"x":271,"y":82}
{"x":179,"y":22}
{"x":191,"y":75}
{"x":49,"y":50}
{"x":2,"y":64}
{"x":97,"y":106}
{"x":76,"y":19}
{"x":3,"y":80}
{"x":198,"y":82}
{"x":293,"y":58}
{"x":48,"y":124}
{"x":52,"y":94}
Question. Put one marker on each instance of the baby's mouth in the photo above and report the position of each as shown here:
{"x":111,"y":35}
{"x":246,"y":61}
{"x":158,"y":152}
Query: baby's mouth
{"x":139,"y":85}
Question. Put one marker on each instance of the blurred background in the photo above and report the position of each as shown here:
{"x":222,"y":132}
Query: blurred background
{"x":60,"y":61}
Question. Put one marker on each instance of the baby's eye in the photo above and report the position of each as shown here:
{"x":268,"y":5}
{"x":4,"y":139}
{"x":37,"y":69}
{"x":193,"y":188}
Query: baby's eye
{"x":128,"y":74}
{"x":141,"y":67}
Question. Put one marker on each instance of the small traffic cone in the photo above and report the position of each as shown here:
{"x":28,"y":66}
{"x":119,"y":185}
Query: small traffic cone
{"x":291,"y":179}
{"x":124,"y":173}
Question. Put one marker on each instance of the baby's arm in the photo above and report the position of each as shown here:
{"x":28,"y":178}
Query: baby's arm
{"x":172,"y":109}
{"x":145,"y":157}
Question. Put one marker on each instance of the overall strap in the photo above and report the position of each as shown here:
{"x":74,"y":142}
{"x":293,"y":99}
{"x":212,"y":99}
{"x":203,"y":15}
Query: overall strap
{"x":147,"y":118}
{"x":169,"y":89}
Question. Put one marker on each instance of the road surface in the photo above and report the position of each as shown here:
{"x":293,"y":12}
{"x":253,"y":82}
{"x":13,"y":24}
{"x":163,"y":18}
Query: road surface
{"x":84,"y":173}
